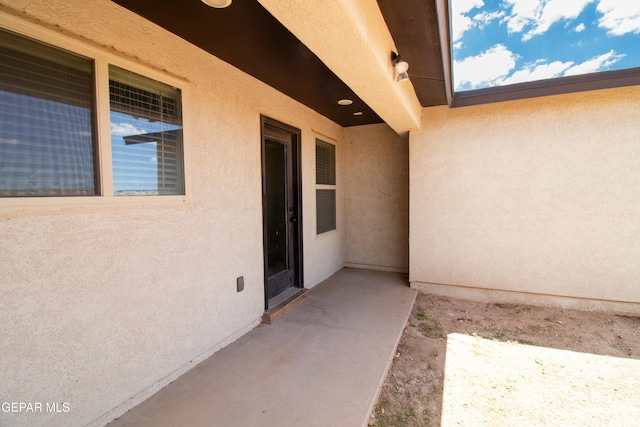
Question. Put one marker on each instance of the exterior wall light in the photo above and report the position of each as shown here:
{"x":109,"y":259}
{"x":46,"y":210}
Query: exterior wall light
{"x":400,"y":67}
{"x":219,"y":4}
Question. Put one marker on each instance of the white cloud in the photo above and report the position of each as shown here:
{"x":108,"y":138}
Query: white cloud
{"x":485,"y":69}
{"x":10,"y":141}
{"x":125,"y":129}
{"x":540,"y":70}
{"x":537,"y":71}
{"x":522,"y":13}
{"x":153,"y":160}
{"x":598,"y":63}
{"x":580,"y":28}
{"x":483,"y":19}
{"x":554,"y":11}
{"x":461,"y":22}
{"x":540,"y":15}
{"x":620,"y":16}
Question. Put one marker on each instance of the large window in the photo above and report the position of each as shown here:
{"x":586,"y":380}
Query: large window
{"x":51,"y":144}
{"x":46,"y":121}
{"x":325,"y":186}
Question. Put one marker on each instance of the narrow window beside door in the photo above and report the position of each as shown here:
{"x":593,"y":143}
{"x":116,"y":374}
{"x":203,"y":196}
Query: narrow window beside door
{"x":325,"y":187}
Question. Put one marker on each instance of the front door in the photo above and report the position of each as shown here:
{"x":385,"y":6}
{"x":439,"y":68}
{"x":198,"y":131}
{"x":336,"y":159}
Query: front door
{"x":281,"y":198}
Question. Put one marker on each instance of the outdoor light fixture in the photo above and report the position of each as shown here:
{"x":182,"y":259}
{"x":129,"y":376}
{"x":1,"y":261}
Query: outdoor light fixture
{"x":400,"y":67}
{"x":219,"y":4}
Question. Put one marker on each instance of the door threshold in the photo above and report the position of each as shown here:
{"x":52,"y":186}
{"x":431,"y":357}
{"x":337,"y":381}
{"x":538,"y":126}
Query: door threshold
{"x":276,"y":312}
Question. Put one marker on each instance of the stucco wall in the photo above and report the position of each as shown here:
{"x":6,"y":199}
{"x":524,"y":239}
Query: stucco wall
{"x":101,"y":305}
{"x":538,"y":196}
{"x":376,"y":169}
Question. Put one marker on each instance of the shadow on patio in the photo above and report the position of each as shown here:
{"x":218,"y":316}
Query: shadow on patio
{"x":322,"y":364}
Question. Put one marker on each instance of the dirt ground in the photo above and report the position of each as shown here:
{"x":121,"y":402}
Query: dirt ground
{"x":412,"y":392}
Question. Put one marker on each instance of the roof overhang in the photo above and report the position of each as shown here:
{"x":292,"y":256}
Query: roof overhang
{"x":320,"y":51}
{"x":353,"y":40}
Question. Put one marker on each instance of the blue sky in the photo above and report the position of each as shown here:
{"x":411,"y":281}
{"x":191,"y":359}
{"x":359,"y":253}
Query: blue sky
{"x":135,"y":166}
{"x":502,"y":42}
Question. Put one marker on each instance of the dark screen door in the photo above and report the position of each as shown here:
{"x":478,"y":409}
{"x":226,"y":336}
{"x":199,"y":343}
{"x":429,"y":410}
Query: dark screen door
{"x":281,"y":221}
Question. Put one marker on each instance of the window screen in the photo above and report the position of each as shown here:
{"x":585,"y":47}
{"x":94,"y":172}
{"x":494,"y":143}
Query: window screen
{"x":325,"y":163}
{"x":46,"y":113}
{"x":326,"y":210}
{"x":146,"y":135}
{"x":325,"y":176}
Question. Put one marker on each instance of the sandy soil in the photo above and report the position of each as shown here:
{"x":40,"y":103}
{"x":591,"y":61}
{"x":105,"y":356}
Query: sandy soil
{"x":412,"y":392}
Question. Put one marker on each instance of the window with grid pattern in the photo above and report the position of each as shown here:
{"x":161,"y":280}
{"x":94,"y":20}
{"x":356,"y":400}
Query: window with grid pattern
{"x":146,"y":135}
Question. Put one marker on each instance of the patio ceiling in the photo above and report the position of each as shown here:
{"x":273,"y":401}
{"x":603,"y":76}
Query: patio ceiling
{"x":287,"y":46}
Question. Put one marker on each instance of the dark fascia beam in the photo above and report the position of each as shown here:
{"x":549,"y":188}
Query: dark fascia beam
{"x":557,"y":86}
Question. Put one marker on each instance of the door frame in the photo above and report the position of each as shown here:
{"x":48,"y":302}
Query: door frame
{"x":296,"y":162}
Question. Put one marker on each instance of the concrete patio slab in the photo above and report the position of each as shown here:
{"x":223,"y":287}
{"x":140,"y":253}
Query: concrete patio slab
{"x":322,"y":364}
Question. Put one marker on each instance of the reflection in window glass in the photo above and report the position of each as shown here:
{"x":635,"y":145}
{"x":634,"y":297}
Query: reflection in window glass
{"x":46,"y":112}
{"x":146,"y":136}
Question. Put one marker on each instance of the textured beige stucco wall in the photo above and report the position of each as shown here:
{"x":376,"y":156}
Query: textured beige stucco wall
{"x":376,"y":169}
{"x":101,"y":305}
{"x":538,"y":195}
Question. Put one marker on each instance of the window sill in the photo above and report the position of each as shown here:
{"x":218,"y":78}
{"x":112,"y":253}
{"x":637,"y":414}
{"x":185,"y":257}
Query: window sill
{"x":327,"y":234}
{"x":40,"y":205}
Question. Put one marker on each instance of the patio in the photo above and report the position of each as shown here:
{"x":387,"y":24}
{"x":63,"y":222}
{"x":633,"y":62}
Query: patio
{"x":322,"y":364}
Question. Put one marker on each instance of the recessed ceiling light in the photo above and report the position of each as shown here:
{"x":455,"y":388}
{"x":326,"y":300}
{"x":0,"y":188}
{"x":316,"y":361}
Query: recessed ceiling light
{"x":358,"y":113}
{"x":345,"y":102}
{"x":219,"y":4}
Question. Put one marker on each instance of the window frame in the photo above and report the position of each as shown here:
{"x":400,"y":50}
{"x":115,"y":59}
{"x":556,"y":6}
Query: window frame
{"x":333,"y":187}
{"x":102,"y":122}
